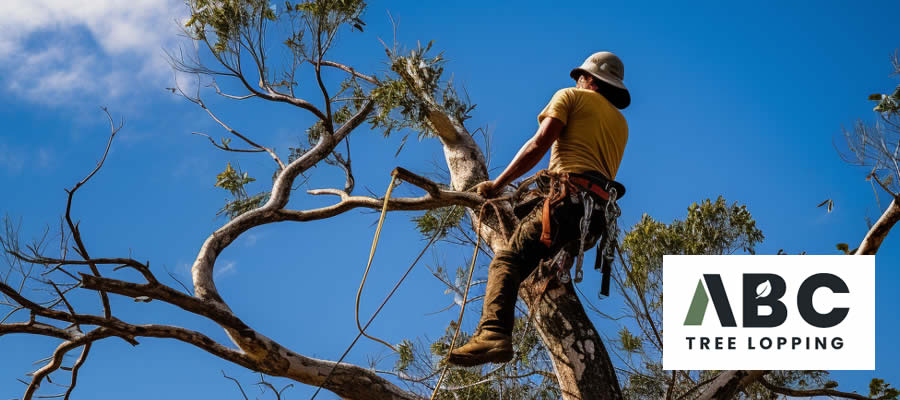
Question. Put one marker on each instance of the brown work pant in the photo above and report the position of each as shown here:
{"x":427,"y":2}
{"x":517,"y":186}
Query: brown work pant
{"x":525,"y":251}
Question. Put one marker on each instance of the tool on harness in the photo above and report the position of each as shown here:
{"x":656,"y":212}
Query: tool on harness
{"x":606,"y":245}
{"x":588,"y":202}
{"x":582,"y":189}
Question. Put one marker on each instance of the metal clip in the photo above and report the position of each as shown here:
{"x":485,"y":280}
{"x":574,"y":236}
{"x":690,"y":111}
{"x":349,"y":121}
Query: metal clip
{"x":561,"y":272}
{"x":588,"y":204}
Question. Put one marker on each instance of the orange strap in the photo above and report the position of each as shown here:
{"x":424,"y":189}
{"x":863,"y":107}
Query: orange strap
{"x":561,"y":185}
{"x":559,"y":189}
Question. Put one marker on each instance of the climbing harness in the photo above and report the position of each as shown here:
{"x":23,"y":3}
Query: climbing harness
{"x":581,"y":189}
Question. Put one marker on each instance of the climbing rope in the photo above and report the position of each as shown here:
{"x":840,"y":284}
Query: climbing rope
{"x":465,"y":299}
{"x":384,"y":207}
{"x":390,"y":294}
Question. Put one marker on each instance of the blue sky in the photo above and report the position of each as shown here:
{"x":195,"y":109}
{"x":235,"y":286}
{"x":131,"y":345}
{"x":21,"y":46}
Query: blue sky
{"x":740,"y":100}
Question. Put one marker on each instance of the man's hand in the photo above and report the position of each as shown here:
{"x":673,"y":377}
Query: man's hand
{"x":487,"y":189}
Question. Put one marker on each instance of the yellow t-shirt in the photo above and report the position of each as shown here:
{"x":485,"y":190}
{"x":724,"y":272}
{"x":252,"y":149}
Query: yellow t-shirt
{"x":594,"y":136}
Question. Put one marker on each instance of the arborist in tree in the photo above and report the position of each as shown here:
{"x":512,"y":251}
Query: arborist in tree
{"x":586,"y":133}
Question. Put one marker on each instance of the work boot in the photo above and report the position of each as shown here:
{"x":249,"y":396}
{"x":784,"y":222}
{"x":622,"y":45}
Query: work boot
{"x":485,"y":346}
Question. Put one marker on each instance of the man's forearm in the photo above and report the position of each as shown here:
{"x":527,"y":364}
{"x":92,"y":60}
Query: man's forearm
{"x":530,"y":153}
{"x":527,"y":157}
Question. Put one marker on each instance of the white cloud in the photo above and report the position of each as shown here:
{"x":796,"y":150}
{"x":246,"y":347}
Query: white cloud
{"x":225,"y":268}
{"x":11,"y":160}
{"x":14,"y":158}
{"x":250,"y":239}
{"x":52,"y":50}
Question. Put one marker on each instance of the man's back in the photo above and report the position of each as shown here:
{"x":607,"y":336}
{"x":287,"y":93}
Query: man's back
{"x":595,"y":132}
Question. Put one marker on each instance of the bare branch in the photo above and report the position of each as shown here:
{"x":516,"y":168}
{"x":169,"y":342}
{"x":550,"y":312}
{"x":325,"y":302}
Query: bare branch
{"x":883,"y":186}
{"x":73,"y":227}
{"x":238,"y":134}
{"x":211,"y":140}
{"x":810,"y":393}
{"x":241,"y":388}
{"x":78,"y":363}
{"x":350,"y":70}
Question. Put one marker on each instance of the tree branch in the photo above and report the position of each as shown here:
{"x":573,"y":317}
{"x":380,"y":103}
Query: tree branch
{"x":810,"y":393}
{"x":220,"y":147}
{"x":73,"y":227}
{"x":236,"y":133}
{"x":78,"y":363}
{"x":350,"y":70}
{"x":875,"y":236}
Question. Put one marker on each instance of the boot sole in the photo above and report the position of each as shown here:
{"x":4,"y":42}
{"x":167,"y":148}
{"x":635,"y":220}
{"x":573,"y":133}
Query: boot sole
{"x":494,"y":356}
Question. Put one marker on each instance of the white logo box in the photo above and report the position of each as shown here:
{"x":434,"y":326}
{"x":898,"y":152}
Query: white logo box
{"x":856,"y":332}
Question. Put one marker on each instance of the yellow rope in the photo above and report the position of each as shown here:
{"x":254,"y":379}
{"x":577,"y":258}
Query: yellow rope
{"x":384,"y":207}
{"x":464,"y":301}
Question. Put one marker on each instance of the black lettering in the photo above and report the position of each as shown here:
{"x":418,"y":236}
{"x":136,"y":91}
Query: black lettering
{"x":769,"y":297}
{"x":837,"y":343}
{"x":719,"y":299}
{"x":821,"y":343}
{"x":805,"y":295}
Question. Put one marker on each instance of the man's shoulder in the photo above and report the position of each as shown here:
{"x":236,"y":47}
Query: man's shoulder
{"x":570,"y":91}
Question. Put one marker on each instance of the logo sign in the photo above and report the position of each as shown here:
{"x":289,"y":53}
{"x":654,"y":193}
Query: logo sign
{"x":769,"y":312}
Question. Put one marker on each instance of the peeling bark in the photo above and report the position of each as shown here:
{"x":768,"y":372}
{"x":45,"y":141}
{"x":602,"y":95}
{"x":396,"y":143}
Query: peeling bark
{"x":580,"y":360}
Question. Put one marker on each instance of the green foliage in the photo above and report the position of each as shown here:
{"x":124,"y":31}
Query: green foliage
{"x":710,"y":228}
{"x":405,"y":355}
{"x":226,"y":18}
{"x":529,"y":357}
{"x":878,"y":389}
{"x":398,"y":107}
{"x":629,"y":342}
{"x":439,"y":221}
{"x":238,"y":206}
{"x":845,"y":248}
{"x":234,"y":181}
{"x":334,"y":12}
{"x":651,"y":384}
{"x":319,"y":20}
{"x":887,"y":103}
{"x":525,"y":377}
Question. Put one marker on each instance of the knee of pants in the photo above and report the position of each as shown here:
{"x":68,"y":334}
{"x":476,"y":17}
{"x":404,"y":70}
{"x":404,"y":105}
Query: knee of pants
{"x":506,"y":258}
{"x":518,"y":262}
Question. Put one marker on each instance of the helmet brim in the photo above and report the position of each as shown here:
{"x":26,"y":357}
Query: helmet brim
{"x":615,"y":90}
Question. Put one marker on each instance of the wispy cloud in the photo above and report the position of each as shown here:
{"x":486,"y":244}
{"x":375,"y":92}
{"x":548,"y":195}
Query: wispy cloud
{"x":51,"y":51}
{"x":225,"y":268}
{"x":13,"y":159}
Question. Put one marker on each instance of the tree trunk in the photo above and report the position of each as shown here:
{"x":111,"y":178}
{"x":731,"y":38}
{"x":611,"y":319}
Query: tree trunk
{"x":580,"y":360}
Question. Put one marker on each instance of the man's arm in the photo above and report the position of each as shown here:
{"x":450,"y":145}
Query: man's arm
{"x":527,"y":157}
